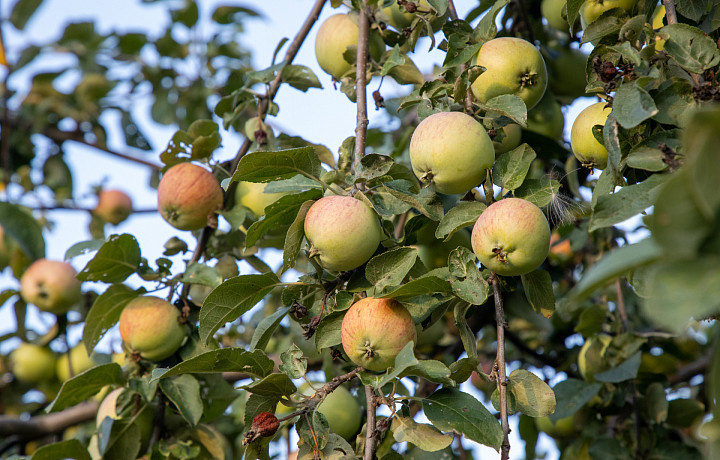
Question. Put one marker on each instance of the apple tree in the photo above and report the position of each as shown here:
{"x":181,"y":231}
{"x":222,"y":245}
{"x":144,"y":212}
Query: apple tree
{"x":461,"y":275}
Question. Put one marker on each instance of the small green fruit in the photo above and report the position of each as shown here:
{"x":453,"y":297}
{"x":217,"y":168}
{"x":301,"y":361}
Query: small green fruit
{"x":512,"y":135}
{"x":546,"y":118}
{"x":32,"y":363}
{"x":79,"y":359}
{"x":585,"y":146}
{"x":341,"y":410}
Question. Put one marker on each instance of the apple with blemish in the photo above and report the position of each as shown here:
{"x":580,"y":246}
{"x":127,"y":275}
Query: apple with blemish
{"x":150,"y":326}
{"x":51,"y":286}
{"x":113,"y":206}
{"x":188,"y":196}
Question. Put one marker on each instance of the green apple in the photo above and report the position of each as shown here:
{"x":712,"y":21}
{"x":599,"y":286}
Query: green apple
{"x":591,"y":357}
{"x":343,"y":232}
{"x":567,"y":73}
{"x":188,"y":195}
{"x":512,"y":135}
{"x":79,"y":359}
{"x":552,"y":12}
{"x":585,"y":146}
{"x":399,"y":18}
{"x":341,"y":410}
{"x":452,"y":150}
{"x":113,"y":206}
{"x":434,"y":252}
{"x":592,"y":9}
{"x":150,"y":326}
{"x":511,"y":237}
{"x":199,"y":292}
{"x":658,"y":23}
{"x":32,"y":363}
{"x":563,"y":428}
{"x":51,"y":286}
{"x":546,"y":118}
{"x":252,"y":195}
{"x":144,"y":419}
{"x":374,"y":331}
{"x":513,"y":66}
{"x":335,"y":35}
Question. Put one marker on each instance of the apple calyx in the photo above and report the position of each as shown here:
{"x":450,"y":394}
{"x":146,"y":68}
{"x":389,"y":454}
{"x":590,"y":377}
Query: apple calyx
{"x":501,"y":255}
{"x":313,"y":252}
{"x":528,"y":79}
{"x":369,"y":351}
{"x":427,"y":177}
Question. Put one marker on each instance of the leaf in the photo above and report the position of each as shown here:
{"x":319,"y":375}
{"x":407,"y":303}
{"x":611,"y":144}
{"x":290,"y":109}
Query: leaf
{"x":571,"y":395}
{"x":118,"y":439}
{"x":232,"y":299}
{"x":690,"y":47}
{"x":197,"y":273}
{"x":425,"y":201}
{"x":510,"y":169}
{"x":632,"y":105}
{"x":254,"y":363}
{"x":509,"y":105}
{"x":22,"y":12}
{"x":463,"y":214}
{"x":390,"y":268}
{"x":293,"y":363}
{"x":532,"y":396}
{"x":372,"y":166}
{"x":83,"y":247}
{"x":539,"y":292}
{"x":274,"y":385}
{"x":265,"y":329}
{"x":626,"y":202}
{"x":451,"y":409}
{"x":606,"y":24}
{"x":419,"y":286}
{"x":117,"y":259}
{"x":72,"y":448}
{"x":23,"y":229}
{"x":424,"y":436}
{"x":539,"y":192}
{"x":269,"y":166}
{"x":486,"y":28}
{"x":279,"y":214}
{"x":84,"y":385}
{"x":430,"y":369}
{"x":300,"y":77}
{"x":468,"y":284}
{"x":328,"y":331}
{"x":184,"y":392}
{"x":692,"y":9}
{"x":105,"y":313}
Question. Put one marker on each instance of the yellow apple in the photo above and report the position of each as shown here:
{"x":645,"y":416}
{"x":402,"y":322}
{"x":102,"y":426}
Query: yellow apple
{"x":333,"y":38}
{"x":252,"y":195}
{"x":50,"y":285}
{"x":512,"y":134}
{"x":592,"y":9}
{"x":341,"y":410}
{"x":585,"y":147}
{"x":552,"y":12}
{"x":658,"y":23}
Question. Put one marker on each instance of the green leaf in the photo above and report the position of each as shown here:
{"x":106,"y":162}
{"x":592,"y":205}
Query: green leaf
{"x":509,"y":105}
{"x":394,"y":58}
{"x":232,"y":299}
{"x":539,"y":292}
{"x":118,"y":439}
{"x":372,"y":166}
{"x":105,"y":313}
{"x":23,"y":229}
{"x":450,"y":409}
{"x":463,"y":214}
{"x":690,"y":47}
{"x":573,"y":9}
{"x":328,"y":331}
{"x":72,"y":448}
{"x":265,"y":329}
{"x":692,"y":9}
{"x":184,"y":392}
{"x":632,"y":105}
{"x":606,"y":24}
{"x":300,"y":77}
{"x":424,"y":285}
{"x":269,"y":166}
{"x":626,"y":202}
{"x":274,"y":385}
{"x":424,"y":436}
{"x":571,"y":395}
{"x":463,"y":57}
{"x":390,"y":268}
{"x":294,"y":237}
{"x":22,"y":12}
{"x":468,"y":284}
{"x":84,"y":385}
{"x":431,"y":370}
{"x":486,"y":28}
{"x":425,"y":201}
{"x":117,"y":259}
{"x":511,"y":168}
{"x":333,"y":449}
{"x":540,"y":192}
{"x":254,"y":363}
{"x":532,"y":396}
{"x":198,"y":273}
{"x":293,"y":363}
{"x":279,"y":214}
{"x":83,"y":247}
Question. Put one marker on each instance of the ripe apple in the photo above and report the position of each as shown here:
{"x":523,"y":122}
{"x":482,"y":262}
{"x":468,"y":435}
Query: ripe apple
{"x":342,"y":231}
{"x":144,"y":420}
{"x":333,"y":38}
{"x":150,"y":326}
{"x":513,"y":66}
{"x":32,"y":363}
{"x":567,"y":73}
{"x":560,"y":251}
{"x":375,"y":330}
{"x":658,"y":23}
{"x":341,"y":410}
{"x":114,"y":206}
{"x":592,"y":9}
{"x":79,"y":359}
{"x":252,"y":195}
{"x":188,"y":195}
{"x":511,"y":237}
{"x":585,"y":147}
{"x":590,"y":359}
{"x":552,"y":12}
{"x":546,"y":118}
{"x":50,"y":285}
{"x":452,"y":150}
{"x":512,"y":135}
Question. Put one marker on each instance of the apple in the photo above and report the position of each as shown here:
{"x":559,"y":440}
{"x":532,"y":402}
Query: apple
{"x":592,"y":9}
{"x":252,"y":195}
{"x":343,"y":232}
{"x":198,"y":293}
{"x":552,"y":12}
{"x":427,"y":339}
{"x":658,"y":23}
{"x":213,"y":441}
{"x":560,"y":251}
{"x":79,"y":359}
{"x":188,"y":195}
{"x":590,"y":358}
{"x":341,"y":410}
{"x":333,"y":38}
{"x":546,"y":118}
{"x":51,"y":286}
{"x":563,"y":428}
{"x":32,"y":363}
{"x":452,"y":150}
{"x":511,"y":237}
{"x":144,"y":420}
{"x":113,"y":206}
{"x":150,"y":326}
{"x":375,"y":330}
{"x":512,"y":135}
{"x":513,"y":66}
{"x":567,"y":73}
{"x":434,"y":252}
{"x":399,"y":18}
{"x":585,"y":147}
{"x":227,"y":267}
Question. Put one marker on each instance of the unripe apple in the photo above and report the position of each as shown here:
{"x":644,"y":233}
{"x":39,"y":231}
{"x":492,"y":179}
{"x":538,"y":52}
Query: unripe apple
{"x":563,"y":428}
{"x":512,"y":137}
{"x":546,"y":118}
{"x":375,"y":330}
{"x":513,"y":66}
{"x":333,"y":38}
{"x":434,"y":252}
{"x":50,"y":285}
{"x":199,"y":292}
{"x":452,"y":150}
{"x":79,"y":359}
{"x":342,"y":231}
{"x":114,"y":206}
{"x":32,"y":363}
{"x":341,"y":410}
{"x":590,"y":359}
{"x":252,"y":195}
{"x":585,"y":147}
{"x":658,"y":23}
{"x":552,"y":11}
{"x":399,"y":18}
{"x":567,"y":73}
{"x":150,"y":326}
{"x":144,"y":421}
{"x":188,"y":195}
{"x":592,"y":9}
{"x":511,"y":237}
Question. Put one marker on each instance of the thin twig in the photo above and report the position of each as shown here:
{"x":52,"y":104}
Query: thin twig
{"x":500,"y":363}
{"x":671,"y":16}
{"x":452,"y":12}
{"x":400,"y":225}
{"x":197,"y":254}
{"x":370,"y":424}
{"x":361,"y":87}
{"x":621,"y":306}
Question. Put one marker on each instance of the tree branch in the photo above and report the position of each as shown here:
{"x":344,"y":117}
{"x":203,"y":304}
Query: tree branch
{"x":370,"y":424}
{"x":500,"y":363}
{"x":452,"y":11}
{"x":42,"y":425}
{"x":361,"y":87}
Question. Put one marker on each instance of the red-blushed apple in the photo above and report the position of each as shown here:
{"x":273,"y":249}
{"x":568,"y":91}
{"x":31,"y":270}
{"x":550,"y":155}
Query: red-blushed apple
{"x":333,"y":38}
{"x":79,"y":359}
{"x":50,"y":285}
{"x":32,"y":363}
{"x":343,"y":232}
{"x":511,"y":237}
{"x":452,"y":150}
{"x":375,"y":330}
{"x":150,"y":326}
{"x":513,"y":66}
{"x":188,"y":195}
{"x":252,"y":195}
{"x":144,"y":419}
{"x":585,"y":146}
{"x":113,"y":206}
{"x":592,"y":9}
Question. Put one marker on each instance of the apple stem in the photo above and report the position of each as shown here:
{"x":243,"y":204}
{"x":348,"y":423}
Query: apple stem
{"x":370,"y":424}
{"x":500,"y":363}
